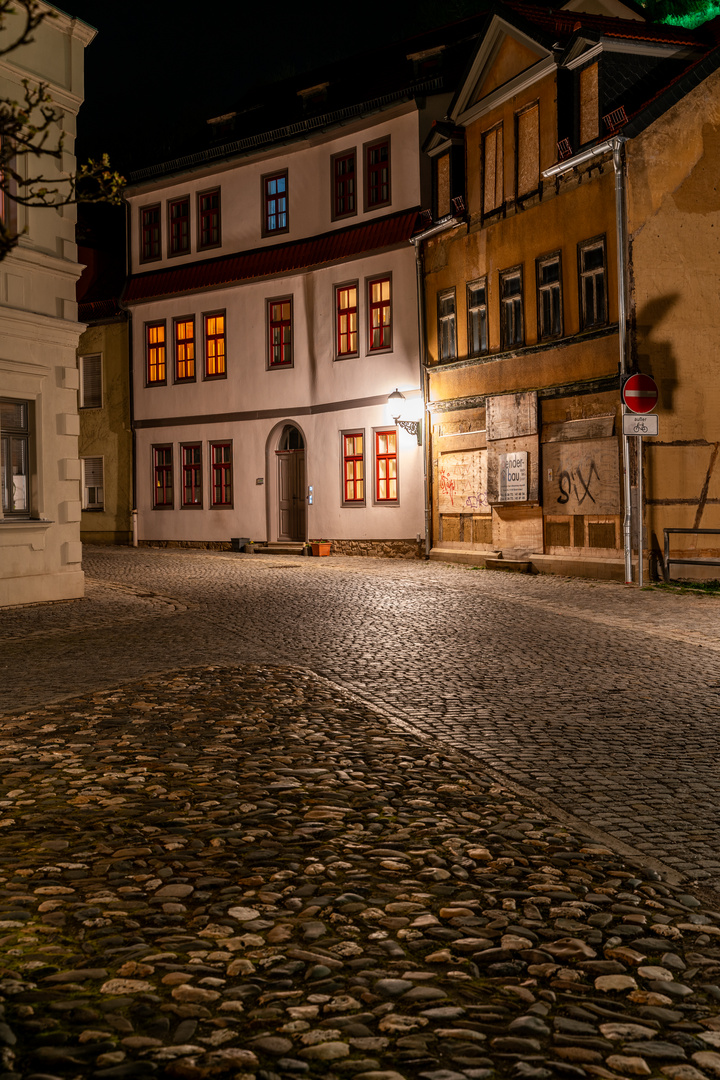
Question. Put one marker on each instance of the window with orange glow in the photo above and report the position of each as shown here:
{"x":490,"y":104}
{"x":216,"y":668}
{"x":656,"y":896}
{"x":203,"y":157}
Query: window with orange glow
{"x":280,"y":332}
{"x":380,"y":335}
{"x":155,"y":352}
{"x":214,"y":345}
{"x":184,"y":349}
{"x":347,"y":325}
{"x":386,"y":466}
{"x":353,"y":468}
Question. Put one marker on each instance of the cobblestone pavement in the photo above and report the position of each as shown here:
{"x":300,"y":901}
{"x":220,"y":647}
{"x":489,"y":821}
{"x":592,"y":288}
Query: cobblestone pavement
{"x":601,"y":699}
{"x":246,"y":872}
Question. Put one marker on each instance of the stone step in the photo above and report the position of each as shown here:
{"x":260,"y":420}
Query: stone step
{"x":513,"y":566}
{"x":288,"y":547}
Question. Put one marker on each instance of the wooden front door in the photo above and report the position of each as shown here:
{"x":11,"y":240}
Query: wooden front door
{"x":291,"y":489}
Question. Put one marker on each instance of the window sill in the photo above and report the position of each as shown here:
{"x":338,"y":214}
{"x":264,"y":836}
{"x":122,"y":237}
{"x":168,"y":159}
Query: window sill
{"x":24,"y":523}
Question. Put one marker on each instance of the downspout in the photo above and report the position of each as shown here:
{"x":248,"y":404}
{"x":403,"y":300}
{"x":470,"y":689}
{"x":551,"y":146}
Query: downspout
{"x":445,"y":223}
{"x":131,"y":392}
{"x":616,"y":146}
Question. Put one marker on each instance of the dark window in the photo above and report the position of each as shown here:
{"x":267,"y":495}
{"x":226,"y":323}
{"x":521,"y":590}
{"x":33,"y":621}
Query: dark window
{"x":347,"y":320}
{"x":221,"y":470}
{"x":192,"y":475}
{"x":150,"y":233}
{"x":280,"y":332}
{"x":446,"y":325}
{"x":512,"y":330}
{"x":377,"y":174}
{"x":155,"y":352}
{"x":344,"y":185}
{"x":477,"y":318}
{"x":549,"y":287}
{"x":163,"y":477}
{"x":91,"y":382}
{"x":209,"y":219}
{"x":184,"y":349}
{"x":179,"y":219}
{"x":380,"y":314}
{"x":214,"y":345}
{"x":593,"y":301}
{"x":275,"y":196}
{"x":353,"y":467}
{"x":15,"y":457}
{"x":92,"y":483}
{"x":386,"y":466}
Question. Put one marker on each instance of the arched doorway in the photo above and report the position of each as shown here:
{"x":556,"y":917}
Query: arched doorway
{"x":290,"y":456}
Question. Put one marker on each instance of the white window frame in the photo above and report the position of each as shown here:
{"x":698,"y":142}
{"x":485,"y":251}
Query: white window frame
{"x":83,"y":391}
{"x":86,"y":504}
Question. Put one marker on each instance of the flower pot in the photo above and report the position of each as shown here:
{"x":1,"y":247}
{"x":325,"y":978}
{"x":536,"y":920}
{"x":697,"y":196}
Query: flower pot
{"x":321,"y":549}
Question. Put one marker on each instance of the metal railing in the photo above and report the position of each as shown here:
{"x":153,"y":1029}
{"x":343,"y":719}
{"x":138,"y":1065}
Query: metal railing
{"x":668,"y":559}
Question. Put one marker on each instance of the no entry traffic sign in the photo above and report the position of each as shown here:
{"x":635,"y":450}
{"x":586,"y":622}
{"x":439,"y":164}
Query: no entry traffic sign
{"x":640,"y":393}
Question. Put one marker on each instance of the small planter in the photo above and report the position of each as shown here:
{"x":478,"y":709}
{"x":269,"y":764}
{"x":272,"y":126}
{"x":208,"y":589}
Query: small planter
{"x":321,"y":548}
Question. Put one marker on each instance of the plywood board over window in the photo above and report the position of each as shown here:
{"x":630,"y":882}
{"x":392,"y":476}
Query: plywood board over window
{"x":581,"y":477}
{"x":528,"y":151}
{"x":462,"y":482}
{"x":443,"y":185}
{"x":589,"y":107}
{"x":492,"y":149}
{"x":529,"y":444}
{"x":511,"y":415}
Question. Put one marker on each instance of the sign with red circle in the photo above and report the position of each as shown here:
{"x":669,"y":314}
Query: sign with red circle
{"x":640,"y":393}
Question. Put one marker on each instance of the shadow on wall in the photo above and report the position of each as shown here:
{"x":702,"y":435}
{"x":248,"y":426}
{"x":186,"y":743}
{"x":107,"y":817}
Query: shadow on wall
{"x":653,"y":355}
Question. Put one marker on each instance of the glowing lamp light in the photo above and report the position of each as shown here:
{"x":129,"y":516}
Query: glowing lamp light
{"x":398,"y":406}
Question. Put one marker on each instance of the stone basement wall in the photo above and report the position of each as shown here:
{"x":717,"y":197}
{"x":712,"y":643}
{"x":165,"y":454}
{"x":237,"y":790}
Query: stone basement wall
{"x":379,"y":549}
{"x":204,"y":545}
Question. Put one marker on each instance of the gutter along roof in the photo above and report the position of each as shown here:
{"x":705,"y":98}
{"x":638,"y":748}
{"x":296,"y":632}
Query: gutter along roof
{"x":263,"y":262}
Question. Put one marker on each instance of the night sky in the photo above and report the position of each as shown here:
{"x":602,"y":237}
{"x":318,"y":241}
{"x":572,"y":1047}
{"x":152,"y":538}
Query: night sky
{"x":158,"y":69}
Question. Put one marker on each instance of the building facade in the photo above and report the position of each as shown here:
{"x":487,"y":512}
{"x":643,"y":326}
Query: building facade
{"x":274,"y":297}
{"x":526,"y":301}
{"x":40,"y":549}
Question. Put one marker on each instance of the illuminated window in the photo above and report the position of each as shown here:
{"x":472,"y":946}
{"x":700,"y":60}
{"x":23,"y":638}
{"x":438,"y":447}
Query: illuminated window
{"x":347,"y":320}
{"x":477,"y":318}
{"x":492,"y":157}
{"x":155,"y":352}
{"x":591,"y":265}
{"x":215,"y":345}
{"x":280,"y":332}
{"x":184,"y":331}
{"x":163,"y":477}
{"x":549,"y":288}
{"x":209,"y":219}
{"x":191,"y":475}
{"x":275,"y":200}
{"x":150,"y":233}
{"x":386,"y":466}
{"x":377,"y":174}
{"x":353,"y":468}
{"x":179,"y":224}
{"x":221,"y":473}
{"x":344,"y":185}
{"x":15,"y":457}
{"x":447,"y":349}
{"x":379,"y":315}
{"x":512,"y":328}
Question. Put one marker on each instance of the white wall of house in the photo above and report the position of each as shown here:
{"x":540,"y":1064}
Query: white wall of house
{"x":40,"y":550}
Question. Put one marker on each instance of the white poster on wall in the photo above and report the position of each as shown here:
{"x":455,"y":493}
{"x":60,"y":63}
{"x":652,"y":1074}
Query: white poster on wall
{"x":513,"y":476}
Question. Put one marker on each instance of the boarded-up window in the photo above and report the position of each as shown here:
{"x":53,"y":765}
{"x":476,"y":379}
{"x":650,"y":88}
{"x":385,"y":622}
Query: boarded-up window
{"x":589,"y":109}
{"x":492,"y":169}
{"x":528,"y":151}
{"x":443,"y":185}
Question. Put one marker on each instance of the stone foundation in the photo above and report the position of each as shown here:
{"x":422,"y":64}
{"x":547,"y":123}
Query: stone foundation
{"x":203,"y":545}
{"x":380,"y":549}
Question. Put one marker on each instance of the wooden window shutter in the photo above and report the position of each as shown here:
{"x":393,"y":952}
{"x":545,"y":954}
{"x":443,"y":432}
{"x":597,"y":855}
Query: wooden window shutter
{"x":528,"y":151}
{"x":589,"y":107}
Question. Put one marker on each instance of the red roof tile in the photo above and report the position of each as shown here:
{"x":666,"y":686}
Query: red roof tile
{"x":270,"y":261}
{"x":566,"y":22}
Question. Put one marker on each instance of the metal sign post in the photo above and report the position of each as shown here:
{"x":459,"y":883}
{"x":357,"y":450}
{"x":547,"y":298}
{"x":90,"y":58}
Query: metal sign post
{"x":640,"y":509}
{"x":640,"y":395}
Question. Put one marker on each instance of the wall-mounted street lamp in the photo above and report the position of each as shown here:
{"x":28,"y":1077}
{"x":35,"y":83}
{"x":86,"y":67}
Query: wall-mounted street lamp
{"x":397,"y":403}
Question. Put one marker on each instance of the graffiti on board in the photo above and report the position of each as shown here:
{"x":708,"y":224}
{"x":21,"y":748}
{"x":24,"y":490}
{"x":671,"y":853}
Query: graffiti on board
{"x":462,"y":482}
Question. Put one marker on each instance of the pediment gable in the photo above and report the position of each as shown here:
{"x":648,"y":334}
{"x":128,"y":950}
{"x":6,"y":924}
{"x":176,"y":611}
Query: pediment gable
{"x":505,"y":56}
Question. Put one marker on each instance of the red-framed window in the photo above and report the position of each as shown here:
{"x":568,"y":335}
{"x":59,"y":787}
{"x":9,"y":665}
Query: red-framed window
{"x":379,"y":314}
{"x":280,"y":332}
{"x":386,"y":466}
{"x":179,"y":226}
{"x":221,"y":473}
{"x":209,"y":219}
{"x":347,"y":319}
{"x":344,"y":184}
{"x":150,"y":233}
{"x":184,"y":349}
{"x":162,"y":476}
{"x":214,"y":345}
{"x":353,"y":467}
{"x":192,"y":474}
{"x":377,"y":173}
{"x":275,"y":203}
{"x":155,"y":353}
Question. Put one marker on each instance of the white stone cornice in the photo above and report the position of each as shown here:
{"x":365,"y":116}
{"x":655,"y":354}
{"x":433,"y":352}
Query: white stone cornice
{"x":509,"y":90}
{"x":40,"y":262}
{"x":41,"y":329}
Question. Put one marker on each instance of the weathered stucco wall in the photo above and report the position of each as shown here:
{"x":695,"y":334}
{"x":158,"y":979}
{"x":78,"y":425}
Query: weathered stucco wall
{"x":674,"y":228}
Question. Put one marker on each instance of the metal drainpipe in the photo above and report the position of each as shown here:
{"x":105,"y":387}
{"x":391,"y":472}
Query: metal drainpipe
{"x":448,"y":222}
{"x":131,"y":391}
{"x":615,"y":145}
